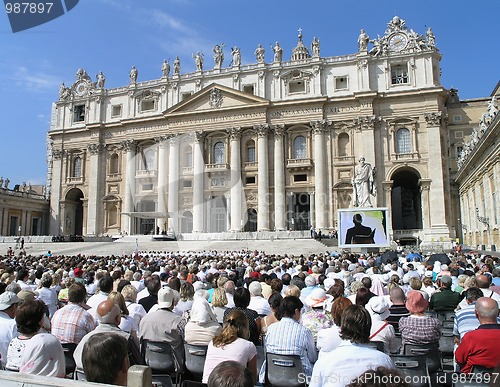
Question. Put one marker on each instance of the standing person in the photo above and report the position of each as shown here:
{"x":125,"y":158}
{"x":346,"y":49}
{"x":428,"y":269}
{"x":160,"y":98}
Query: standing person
{"x":232,"y":344}
{"x":353,"y":356}
{"x":364,"y":184}
{"x":480,"y":347}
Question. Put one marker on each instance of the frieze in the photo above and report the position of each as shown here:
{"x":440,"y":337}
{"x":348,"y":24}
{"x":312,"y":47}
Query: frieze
{"x":124,"y":132}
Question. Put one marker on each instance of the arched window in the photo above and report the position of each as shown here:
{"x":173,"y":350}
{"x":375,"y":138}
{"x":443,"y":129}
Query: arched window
{"x":343,"y":143}
{"x":148,"y":158}
{"x":299,"y":147}
{"x":403,"y":141}
{"x":251,"y":151}
{"x":77,"y":167}
{"x":113,"y":164}
{"x":219,"y":153}
{"x":188,"y":157}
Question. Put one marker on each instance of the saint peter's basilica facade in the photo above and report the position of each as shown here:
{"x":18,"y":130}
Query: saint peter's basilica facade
{"x":263,"y":147}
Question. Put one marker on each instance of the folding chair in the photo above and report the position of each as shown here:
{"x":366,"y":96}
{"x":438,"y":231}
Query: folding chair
{"x":378,"y":345}
{"x":69,"y":349}
{"x":159,"y":356}
{"x":284,"y":370}
{"x":195,"y":359}
{"x":431,"y":353}
{"x":415,"y":367}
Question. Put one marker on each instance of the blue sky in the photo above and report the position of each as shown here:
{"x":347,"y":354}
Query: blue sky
{"x":113,"y":35}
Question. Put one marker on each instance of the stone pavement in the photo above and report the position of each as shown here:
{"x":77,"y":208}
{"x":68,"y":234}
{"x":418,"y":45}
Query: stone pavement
{"x":127,"y":247}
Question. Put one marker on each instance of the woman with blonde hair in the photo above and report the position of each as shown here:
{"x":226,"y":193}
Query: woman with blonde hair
{"x":136,"y":311}
{"x":232,"y":344}
{"x":127,"y":323}
{"x":219,"y":304}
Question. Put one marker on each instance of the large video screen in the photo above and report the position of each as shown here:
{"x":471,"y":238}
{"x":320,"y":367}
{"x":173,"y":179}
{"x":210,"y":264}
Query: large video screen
{"x":363,"y":227}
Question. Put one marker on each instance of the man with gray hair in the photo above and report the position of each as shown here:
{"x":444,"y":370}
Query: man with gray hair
{"x":109,"y":316}
{"x":480,"y":346}
{"x":257,"y":302}
{"x":229,"y":289}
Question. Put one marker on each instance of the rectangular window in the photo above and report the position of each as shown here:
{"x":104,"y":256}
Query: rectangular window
{"x":457,"y":118}
{"x":147,"y":187}
{"x":185,"y":96}
{"x":187,"y":183}
{"x":250,"y":89}
{"x":147,"y":105}
{"x":399,"y":74}
{"x":79,"y":113}
{"x":341,"y":83}
{"x":297,"y":87}
{"x":251,"y":154}
{"x":460,"y":149}
{"x":459,"y":134}
{"x":250,"y":180}
{"x":116,"y":110}
{"x":297,"y":178}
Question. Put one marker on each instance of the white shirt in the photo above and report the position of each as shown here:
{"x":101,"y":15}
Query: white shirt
{"x":8,"y":330}
{"x":260,"y":305}
{"x":49,"y":298}
{"x":346,"y":363}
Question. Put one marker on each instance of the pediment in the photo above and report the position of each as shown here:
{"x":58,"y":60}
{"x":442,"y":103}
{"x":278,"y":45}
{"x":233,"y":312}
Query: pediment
{"x":215,"y":98}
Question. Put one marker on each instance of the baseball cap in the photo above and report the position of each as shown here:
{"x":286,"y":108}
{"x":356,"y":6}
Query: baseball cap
{"x":7,"y":299}
{"x":165,"y":297}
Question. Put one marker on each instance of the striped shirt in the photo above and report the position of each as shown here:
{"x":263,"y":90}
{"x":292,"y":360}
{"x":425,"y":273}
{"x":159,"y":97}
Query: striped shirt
{"x":466,"y":321}
{"x":288,"y":337}
{"x":71,"y":323}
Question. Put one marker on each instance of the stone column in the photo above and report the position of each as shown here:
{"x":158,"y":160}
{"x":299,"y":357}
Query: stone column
{"x":387,"y":187}
{"x":291,"y":211}
{"x":162,"y":181}
{"x":319,"y":128}
{"x":198,"y":180}
{"x":173,"y":184}
{"x":56,"y":221}
{"x":5,"y":221}
{"x":426,"y":205}
{"x":312,"y":202}
{"x":94,"y":204}
{"x":436,"y":175}
{"x":208,"y":208}
{"x":236,"y":186}
{"x":129,"y":146}
{"x":279,"y":179}
{"x":263,"y":178}
{"x":228,"y":212}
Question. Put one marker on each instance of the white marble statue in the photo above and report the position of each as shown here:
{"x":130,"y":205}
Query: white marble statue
{"x":431,"y":38}
{"x":177,"y":66}
{"x":493,"y":107}
{"x":165,"y":69}
{"x":259,"y":54}
{"x":218,"y":55}
{"x":363,"y":40}
{"x":236,"y":53}
{"x":278,"y":52}
{"x":363,"y":184}
{"x":133,"y":75}
{"x":198,"y":60}
{"x":315,"y":47}
{"x":101,"y":79}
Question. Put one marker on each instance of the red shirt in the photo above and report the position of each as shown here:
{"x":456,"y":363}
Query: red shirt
{"x":479,"y":347}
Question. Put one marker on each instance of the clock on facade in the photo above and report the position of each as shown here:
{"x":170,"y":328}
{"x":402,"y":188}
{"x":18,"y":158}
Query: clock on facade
{"x":81,"y":88}
{"x":398,"y":42}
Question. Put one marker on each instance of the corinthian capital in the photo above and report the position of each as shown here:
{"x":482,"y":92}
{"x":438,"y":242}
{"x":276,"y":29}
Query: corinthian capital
{"x":433,"y":119}
{"x":262,"y":129}
{"x":364,"y":122}
{"x":94,"y":149}
{"x":234,"y":132}
{"x":128,"y":145}
{"x":199,"y":135}
{"x":320,"y":126}
{"x":279,"y":130}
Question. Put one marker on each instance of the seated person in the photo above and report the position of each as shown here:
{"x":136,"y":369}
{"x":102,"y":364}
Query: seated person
{"x":202,"y":325}
{"x":105,"y":359}
{"x":230,"y":374}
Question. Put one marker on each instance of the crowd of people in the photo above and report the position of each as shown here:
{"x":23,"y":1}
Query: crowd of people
{"x":325,"y":308}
